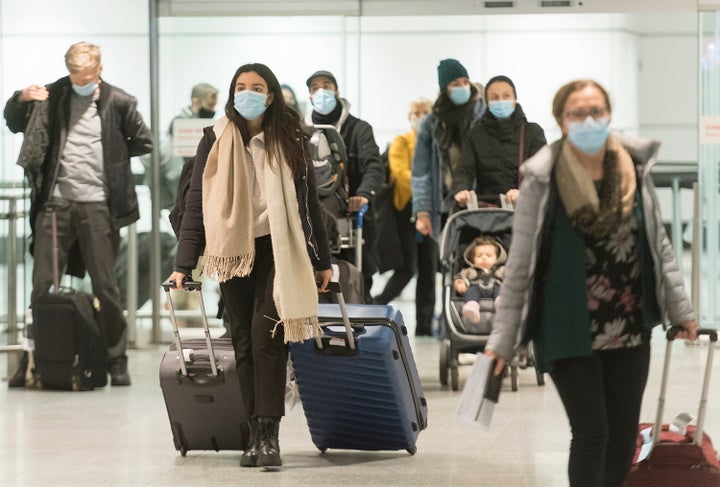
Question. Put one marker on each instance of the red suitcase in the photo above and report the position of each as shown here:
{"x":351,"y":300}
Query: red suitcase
{"x":674,"y":459}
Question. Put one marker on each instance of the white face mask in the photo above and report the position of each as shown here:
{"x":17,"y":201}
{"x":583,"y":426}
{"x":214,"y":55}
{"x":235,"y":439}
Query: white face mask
{"x":85,"y":90}
{"x":589,"y":136}
{"x":324,"y":101}
{"x":415,"y":123}
{"x":250,"y":104}
{"x":460,"y":95}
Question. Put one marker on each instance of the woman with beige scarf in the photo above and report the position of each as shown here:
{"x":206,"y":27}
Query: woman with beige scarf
{"x":252,"y":212}
{"x":589,"y":274}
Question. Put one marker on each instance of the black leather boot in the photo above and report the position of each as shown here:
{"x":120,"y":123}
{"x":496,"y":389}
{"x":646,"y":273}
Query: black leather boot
{"x":250,"y":455}
{"x":118,"y":371}
{"x":18,"y":379}
{"x":269,"y":455}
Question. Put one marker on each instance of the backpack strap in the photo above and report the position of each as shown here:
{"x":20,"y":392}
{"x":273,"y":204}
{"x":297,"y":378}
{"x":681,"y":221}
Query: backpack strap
{"x":178,"y":211}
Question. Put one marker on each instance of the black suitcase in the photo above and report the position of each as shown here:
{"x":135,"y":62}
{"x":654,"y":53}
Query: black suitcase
{"x":350,"y":278}
{"x":70,"y":347}
{"x":201,"y":388}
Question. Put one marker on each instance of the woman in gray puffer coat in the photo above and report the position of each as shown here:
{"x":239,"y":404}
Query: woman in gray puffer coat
{"x":590,"y":273}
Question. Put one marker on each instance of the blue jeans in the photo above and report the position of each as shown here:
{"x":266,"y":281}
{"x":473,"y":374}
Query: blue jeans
{"x":602,"y":394}
{"x":89,"y":224}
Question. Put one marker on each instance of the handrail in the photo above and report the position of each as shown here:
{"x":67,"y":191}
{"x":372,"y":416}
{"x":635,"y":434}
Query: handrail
{"x":12,"y":215}
{"x":676,"y":176}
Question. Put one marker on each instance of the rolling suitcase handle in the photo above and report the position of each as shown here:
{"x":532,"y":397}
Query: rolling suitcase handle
{"x":359,"y":234}
{"x":671,"y":333}
{"x":190,"y":286}
{"x":56,"y":250}
{"x":334,"y":287}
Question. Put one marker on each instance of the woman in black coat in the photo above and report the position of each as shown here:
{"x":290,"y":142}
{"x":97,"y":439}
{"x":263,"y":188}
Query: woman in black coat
{"x":496,"y":146}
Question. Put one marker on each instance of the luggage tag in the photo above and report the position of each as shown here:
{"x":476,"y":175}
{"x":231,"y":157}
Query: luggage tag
{"x":680,"y":423}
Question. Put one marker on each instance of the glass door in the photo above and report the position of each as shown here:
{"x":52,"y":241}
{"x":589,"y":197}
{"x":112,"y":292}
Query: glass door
{"x":709,"y":169}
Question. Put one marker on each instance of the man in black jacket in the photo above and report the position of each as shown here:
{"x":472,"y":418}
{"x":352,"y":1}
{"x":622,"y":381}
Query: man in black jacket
{"x":365,"y":172}
{"x":80,"y":133}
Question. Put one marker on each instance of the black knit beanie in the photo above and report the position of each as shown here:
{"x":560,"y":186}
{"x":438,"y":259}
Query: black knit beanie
{"x":450,"y":70}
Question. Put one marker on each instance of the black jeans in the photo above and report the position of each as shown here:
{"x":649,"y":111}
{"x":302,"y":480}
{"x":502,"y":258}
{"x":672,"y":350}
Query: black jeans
{"x":89,"y":223}
{"x":260,"y":359}
{"x":428,"y":262}
{"x":602,"y":394}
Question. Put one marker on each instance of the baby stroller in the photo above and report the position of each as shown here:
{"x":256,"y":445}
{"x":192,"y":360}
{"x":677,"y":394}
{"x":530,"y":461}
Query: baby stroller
{"x":459,"y":335}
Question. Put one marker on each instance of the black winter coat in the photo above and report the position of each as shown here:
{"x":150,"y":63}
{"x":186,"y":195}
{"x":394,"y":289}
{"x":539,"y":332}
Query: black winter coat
{"x":489,"y":159}
{"x":123,"y":135}
{"x":192,"y":233}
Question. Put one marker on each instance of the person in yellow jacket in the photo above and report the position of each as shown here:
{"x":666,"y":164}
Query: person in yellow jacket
{"x":400,"y":156}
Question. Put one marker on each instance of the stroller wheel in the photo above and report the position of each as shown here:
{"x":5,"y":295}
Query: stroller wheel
{"x":454,"y":377}
{"x":540,"y":377}
{"x":514,"y":377}
{"x":444,"y":359}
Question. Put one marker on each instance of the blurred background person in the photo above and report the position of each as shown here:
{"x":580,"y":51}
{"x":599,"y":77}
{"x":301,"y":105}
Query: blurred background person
{"x":398,"y":228}
{"x":290,"y":99}
{"x":79,"y":135}
{"x":203,"y":99}
{"x":364,"y":170}
{"x":496,"y":146}
{"x":457,"y":108}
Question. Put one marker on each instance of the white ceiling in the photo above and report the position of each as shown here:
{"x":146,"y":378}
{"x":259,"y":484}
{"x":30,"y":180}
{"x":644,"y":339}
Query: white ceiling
{"x":228,"y":8}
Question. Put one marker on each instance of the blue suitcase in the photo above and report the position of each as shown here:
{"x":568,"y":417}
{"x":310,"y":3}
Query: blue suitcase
{"x":360,"y":388}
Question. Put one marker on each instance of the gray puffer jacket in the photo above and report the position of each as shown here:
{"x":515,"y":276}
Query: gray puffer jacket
{"x":531,"y":210}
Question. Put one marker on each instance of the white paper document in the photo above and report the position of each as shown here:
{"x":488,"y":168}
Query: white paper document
{"x":481,"y":392}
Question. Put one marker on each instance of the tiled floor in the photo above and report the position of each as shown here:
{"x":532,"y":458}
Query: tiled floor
{"x":121,"y":436}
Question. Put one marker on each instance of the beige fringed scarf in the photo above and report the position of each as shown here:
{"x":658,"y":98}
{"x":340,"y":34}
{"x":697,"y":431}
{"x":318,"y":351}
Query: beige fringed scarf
{"x":597,"y":212}
{"x":229,"y":230}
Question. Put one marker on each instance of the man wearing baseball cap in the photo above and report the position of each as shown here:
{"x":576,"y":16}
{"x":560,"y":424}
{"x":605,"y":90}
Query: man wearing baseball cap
{"x":364,"y":170}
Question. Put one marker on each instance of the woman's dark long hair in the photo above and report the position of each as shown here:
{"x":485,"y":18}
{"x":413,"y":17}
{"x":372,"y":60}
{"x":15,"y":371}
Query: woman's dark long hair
{"x":283,"y":132}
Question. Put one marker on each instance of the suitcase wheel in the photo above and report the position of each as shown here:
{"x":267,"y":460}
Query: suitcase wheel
{"x":183,"y":451}
{"x":412,"y":450}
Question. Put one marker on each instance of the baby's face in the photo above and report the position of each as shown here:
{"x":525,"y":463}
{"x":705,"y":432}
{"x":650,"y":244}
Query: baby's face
{"x":485,"y":256}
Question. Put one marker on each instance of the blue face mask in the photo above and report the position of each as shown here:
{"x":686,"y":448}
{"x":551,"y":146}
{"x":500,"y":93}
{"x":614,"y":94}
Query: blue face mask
{"x":589,"y":136}
{"x":460,"y":95}
{"x":250,"y":104}
{"x":324,"y":101}
{"x":85,"y":90}
{"x":501,"y":108}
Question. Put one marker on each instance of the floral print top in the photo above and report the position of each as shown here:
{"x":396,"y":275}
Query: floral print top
{"x":614,"y":289}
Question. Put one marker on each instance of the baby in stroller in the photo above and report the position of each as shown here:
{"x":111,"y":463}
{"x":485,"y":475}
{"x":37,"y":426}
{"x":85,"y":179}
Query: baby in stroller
{"x":479,"y":284}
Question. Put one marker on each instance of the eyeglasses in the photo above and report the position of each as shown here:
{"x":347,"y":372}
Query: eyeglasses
{"x":580,"y":115}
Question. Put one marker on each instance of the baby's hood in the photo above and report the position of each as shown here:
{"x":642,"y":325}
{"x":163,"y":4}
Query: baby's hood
{"x":498,"y":270}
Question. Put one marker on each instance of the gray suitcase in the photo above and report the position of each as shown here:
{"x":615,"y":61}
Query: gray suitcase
{"x":201,"y":388}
